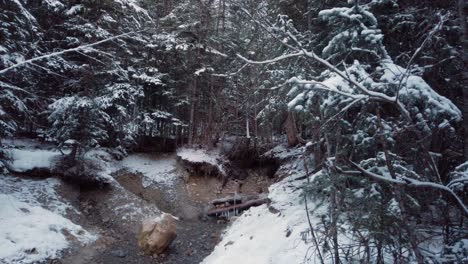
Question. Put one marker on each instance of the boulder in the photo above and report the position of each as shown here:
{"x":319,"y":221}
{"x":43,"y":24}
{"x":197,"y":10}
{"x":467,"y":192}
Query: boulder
{"x":156,"y":234}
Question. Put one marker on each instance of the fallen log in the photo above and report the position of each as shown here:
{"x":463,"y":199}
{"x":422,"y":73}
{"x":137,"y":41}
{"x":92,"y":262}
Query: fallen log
{"x":236,"y":208}
{"x":236,"y":199}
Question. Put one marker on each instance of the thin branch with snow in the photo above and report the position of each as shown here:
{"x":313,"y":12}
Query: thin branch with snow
{"x":413,"y":183}
{"x":58,"y":53}
{"x":311,"y":55}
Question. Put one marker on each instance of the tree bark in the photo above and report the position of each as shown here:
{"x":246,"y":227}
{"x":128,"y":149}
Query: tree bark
{"x":462,"y":9}
{"x":291,"y":129}
{"x":192,"y":112}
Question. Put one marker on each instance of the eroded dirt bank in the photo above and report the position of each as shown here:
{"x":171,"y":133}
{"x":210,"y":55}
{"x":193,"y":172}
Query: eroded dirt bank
{"x":116,"y":214}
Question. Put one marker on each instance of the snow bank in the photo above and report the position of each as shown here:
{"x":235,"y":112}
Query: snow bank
{"x":198,"y":155}
{"x":155,"y":170}
{"x":33,"y":224}
{"x":212,"y":157}
{"x":261,"y":236}
{"x":28,"y":159}
{"x":28,"y":154}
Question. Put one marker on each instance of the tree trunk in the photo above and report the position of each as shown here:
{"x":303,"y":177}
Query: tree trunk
{"x":291,"y":129}
{"x":192,"y":112}
{"x":462,"y":9}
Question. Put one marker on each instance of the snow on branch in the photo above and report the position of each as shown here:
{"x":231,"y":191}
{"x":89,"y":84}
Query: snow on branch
{"x":322,"y":86}
{"x":378,"y":96}
{"x":53,"y":54}
{"x":403,"y":180}
{"x":15,"y":88}
{"x":280,"y":58}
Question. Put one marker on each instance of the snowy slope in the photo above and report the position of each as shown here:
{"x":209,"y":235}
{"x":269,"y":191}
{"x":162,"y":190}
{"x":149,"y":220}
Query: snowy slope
{"x":33,"y":222}
{"x":268,"y":237}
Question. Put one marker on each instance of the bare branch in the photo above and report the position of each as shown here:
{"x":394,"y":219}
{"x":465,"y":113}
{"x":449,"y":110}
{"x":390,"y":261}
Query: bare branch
{"x":405,"y":76}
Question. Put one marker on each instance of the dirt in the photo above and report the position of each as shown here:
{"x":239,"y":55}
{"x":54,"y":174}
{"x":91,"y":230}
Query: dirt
{"x":187,"y":199}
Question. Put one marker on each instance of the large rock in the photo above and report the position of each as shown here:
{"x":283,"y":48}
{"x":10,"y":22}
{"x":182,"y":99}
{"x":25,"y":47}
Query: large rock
{"x":156,"y":234}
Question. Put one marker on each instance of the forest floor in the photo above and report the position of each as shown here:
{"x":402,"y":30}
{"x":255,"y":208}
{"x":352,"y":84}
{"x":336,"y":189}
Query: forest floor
{"x":47,"y":220}
{"x":185,"y":198}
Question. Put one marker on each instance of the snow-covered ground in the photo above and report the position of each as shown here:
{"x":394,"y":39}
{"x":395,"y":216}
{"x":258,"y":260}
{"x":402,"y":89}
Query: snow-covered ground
{"x":198,"y":155}
{"x":212,"y":157}
{"x":268,"y":237}
{"x":155,"y":170}
{"x":27,"y":159}
{"x":27,"y":154}
{"x":33,"y":222}
{"x":33,"y":216}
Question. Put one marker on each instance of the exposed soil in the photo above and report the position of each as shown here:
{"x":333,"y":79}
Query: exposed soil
{"x":187,"y":199}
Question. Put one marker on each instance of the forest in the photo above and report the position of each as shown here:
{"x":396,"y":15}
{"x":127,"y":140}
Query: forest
{"x":255,"y":131}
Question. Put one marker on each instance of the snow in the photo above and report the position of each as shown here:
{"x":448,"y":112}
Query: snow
{"x":54,"y":3}
{"x":198,"y":155}
{"x":413,"y":86}
{"x":267,"y":237}
{"x":28,"y":159}
{"x":202,"y":70}
{"x":134,"y":5}
{"x":74,"y":9}
{"x":33,"y":222}
{"x":148,"y":79}
{"x":155,"y":170}
{"x":282,"y":152}
{"x":212,"y":157}
{"x":25,"y":13}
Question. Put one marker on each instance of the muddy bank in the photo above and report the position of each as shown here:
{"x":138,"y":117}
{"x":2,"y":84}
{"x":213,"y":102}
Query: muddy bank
{"x":196,"y":235}
{"x":116,"y":213}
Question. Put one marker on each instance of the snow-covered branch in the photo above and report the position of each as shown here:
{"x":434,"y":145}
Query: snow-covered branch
{"x":15,"y":88}
{"x":322,"y":86}
{"x":403,"y":180}
{"x":277,"y":59}
{"x":58,"y":53}
{"x":311,"y":55}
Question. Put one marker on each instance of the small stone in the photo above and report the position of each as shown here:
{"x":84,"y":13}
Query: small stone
{"x":31,"y":251}
{"x":25,"y":210}
{"x":119,"y":253}
{"x":229,"y":243}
